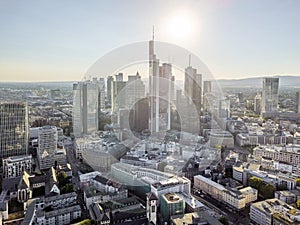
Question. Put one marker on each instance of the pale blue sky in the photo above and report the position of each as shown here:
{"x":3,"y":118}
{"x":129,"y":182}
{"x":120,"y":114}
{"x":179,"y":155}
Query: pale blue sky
{"x":59,"y":40}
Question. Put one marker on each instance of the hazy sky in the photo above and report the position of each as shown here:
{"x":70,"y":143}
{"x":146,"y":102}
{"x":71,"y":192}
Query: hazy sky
{"x":60,"y":40}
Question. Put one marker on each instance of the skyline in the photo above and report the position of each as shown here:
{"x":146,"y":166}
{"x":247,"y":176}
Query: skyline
{"x":235,"y":39}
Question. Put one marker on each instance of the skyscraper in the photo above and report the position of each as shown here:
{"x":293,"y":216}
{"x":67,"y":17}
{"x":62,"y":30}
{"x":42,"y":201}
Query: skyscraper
{"x":270,"y":95}
{"x":118,"y":93}
{"x":109,"y":81}
{"x":13,"y":129}
{"x":192,"y":87}
{"x":298,"y":102}
{"x":47,"y":147}
{"x":87,"y":100}
{"x":206,"y":94}
{"x":161,"y":92}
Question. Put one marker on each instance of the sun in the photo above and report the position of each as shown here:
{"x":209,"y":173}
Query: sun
{"x":180,"y":25}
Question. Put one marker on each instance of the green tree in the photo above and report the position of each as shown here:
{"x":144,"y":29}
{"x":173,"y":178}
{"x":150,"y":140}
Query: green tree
{"x":255,"y":182}
{"x":224,"y":220}
{"x":298,"y":182}
{"x":62,"y":178}
{"x":298,"y":203}
{"x":67,"y":188}
{"x":87,"y":222}
{"x":267,"y":191}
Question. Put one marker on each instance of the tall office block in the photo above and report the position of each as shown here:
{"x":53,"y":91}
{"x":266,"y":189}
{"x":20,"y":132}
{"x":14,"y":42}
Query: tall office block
{"x":109,"y":81}
{"x":118,"y":93}
{"x":135,"y":90}
{"x":193,"y":87}
{"x":270,"y":95}
{"x":47,"y":146}
{"x":298,"y":102}
{"x":13,"y":129}
{"x":88,"y":97}
{"x":161,"y":92}
{"x":206,"y":94}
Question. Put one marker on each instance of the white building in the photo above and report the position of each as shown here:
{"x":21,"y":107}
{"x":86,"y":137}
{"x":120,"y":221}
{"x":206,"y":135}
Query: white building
{"x":288,"y":153}
{"x":221,"y":138}
{"x":235,"y":198}
{"x":14,"y":166}
{"x":48,"y":153}
{"x":273,"y":211}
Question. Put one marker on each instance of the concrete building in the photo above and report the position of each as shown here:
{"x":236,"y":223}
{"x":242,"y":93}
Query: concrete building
{"x":49,"y":153}
{"x":170,"y":205}
{"x":235,"y":198}
{"x":273,"y":211}
{"x":221,"y":138}
{"x":123,"y":211}
{"x":13,"y":129}
{"x":257,"y":103}
{"x":289,"y":153}
{"x":202,"y":217}
{"x":270,"y":92}
{"x":171,"y":185}
{"x":210,"y":187}
{"x":14,"y":166}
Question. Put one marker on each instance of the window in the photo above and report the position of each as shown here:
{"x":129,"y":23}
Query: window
{"x":153,"y":208}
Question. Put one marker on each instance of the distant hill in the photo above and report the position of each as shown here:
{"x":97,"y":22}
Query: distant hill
{"x":284,"y":81}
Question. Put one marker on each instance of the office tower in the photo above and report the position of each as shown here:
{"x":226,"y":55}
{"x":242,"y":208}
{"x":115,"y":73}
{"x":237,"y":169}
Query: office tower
{"x":47,"y":147}
{"x":206,"y":94}
{"x":270,"y":95}
{"x":192,"y":87}
{"x":13,"y":129}
{"x":88,"y":96}
{"x":161,"y":92}
{"x":240,"y":97}
{"x":118,"y":93}
{"x":224,"y":108}
{"x":139,"y":114}
{"x":257,"y":103}
{"x":298,"y":102}
{"x":135,"y":90}
{"x":109,"y":81}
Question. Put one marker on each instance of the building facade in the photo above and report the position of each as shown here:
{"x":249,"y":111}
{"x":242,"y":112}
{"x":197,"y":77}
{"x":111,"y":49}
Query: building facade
{"x":13,"y":129}
{"x":14,"y":166}
{"x":270,"y":95}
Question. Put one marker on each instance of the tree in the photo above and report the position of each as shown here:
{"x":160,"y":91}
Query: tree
{"x":255,"y":182}
{"x":87,"y":222}
{"x":67,"y":188}
{"x":298,"y":203}
{"x":224,"y":220}
{"x":62,"y":178}
{"x":298,"y":182}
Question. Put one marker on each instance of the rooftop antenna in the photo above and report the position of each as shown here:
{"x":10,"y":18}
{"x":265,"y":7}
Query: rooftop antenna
{"x":189,"y":60}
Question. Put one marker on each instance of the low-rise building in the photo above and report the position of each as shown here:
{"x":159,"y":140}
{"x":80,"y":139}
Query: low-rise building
{"x":14,"y":166}
{"x":221,"y":138}
{"x":273,"y":211}
{"x":171,"y":204}
{"x":233,"y":197}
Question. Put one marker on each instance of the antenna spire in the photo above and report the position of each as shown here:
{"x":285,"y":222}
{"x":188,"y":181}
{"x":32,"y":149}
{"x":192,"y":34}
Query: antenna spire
{"x":153,"y":33}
